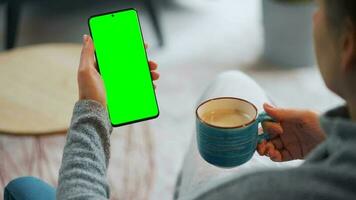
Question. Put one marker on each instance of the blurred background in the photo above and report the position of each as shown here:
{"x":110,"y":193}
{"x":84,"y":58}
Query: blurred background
{"x":191,"y":40}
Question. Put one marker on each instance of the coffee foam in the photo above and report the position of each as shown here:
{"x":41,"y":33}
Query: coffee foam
{"x":226,"y":118}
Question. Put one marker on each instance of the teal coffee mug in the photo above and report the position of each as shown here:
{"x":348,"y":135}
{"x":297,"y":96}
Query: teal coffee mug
{"x":227,"y":131}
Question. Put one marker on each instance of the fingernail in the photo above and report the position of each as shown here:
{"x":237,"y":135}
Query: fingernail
{"x":85,"y":38}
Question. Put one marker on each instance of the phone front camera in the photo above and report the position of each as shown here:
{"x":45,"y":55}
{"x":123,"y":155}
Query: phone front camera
{"x":112,"y":15}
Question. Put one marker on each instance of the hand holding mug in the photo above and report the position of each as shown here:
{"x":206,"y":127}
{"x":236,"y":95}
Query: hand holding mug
{"x":295,"y":134}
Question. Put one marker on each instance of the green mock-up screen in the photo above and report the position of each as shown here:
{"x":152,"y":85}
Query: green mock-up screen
{"x":123,"y":65}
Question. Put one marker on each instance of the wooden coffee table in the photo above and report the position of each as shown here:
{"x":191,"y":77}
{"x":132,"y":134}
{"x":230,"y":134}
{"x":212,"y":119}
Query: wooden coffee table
{"x":38,"y":89}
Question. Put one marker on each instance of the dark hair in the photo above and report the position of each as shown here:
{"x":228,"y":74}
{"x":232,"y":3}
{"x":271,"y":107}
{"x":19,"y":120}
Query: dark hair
{"x":339,"y":10}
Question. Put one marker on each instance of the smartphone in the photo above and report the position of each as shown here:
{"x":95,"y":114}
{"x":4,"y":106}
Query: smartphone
{"x":123,"y":65}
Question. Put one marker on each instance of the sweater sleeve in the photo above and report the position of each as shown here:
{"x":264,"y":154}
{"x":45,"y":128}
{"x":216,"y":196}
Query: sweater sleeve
{"x":305,"y":182}
{"x":86,"y":154}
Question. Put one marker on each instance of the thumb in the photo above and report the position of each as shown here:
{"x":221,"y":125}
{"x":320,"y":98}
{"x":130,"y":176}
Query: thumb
{"x":278,"y":114}
{"x":87,"y":55}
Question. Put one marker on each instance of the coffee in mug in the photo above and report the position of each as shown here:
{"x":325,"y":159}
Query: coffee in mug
{"x":226,"y":117}
{"x":227,"y":131}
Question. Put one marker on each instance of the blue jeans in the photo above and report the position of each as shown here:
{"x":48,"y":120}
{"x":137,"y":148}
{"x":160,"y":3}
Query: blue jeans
{"x":28,"y":188}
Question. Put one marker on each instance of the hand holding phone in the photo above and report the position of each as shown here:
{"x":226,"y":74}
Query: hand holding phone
{"x":90,"y":83}
{"x":123,"y":66}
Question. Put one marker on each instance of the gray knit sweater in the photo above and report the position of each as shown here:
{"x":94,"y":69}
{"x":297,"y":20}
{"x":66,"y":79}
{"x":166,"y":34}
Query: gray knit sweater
{"x":329,"y":172}
{"x":86,"y":154}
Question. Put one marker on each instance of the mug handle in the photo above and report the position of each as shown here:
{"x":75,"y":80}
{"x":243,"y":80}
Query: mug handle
{"x":264,"y":117}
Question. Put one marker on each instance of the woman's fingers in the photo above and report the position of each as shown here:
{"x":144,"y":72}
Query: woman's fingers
{"x":281,"y":114}
{"x":269,"y":147}
{"x":264,"y":148}
{"x":274,"y":129}
{"x":153,"y":65}
{"x":87,"y":55}
{"x":261,"y":148}
{"x":275,"y":156}
{"x":155,"y":75}
{"x":277,"y":142}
